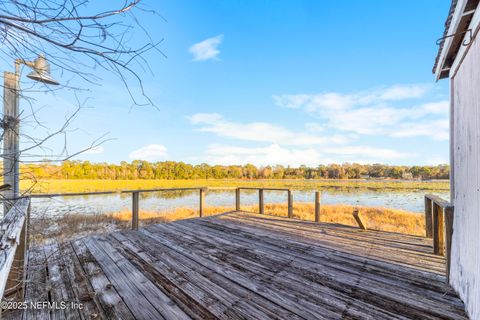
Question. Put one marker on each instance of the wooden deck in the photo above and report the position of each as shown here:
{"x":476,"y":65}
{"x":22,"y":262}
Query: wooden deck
{"x":243,"y":266}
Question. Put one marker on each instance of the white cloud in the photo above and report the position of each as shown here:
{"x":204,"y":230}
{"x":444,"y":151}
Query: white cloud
{"x":340,"y":132}
{"x":275,"y":154}
{"x":402,"y":92}
{"x":440,"y":108}
{"x":437,"y":130}
{"x":269,"y":155}
{"x":150,"y":152}
{"x":314,"y":127}
{"x":262,"y":131}
{"x":94,"y":150}
{"x":200,"y":118}
{"x":435,"y":161}
{"x":366,"y":152}
{"x":339,"y":101}
{"x":366,"y":121}
{"x":371,"y":112}
{"x":206,"y":49}
{"x":284,"y":146}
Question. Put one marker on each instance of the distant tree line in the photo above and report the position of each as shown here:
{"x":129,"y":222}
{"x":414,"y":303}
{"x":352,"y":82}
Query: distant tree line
{"x":178,"y":170}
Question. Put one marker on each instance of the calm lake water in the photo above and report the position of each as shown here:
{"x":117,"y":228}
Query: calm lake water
{"x":165,"y":201}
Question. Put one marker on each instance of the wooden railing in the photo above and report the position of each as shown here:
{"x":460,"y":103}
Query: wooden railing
{"x":136,"y":201}
{"x":13,"y":247}
{"x":135,"y":198}
{"x":439,"y":215}
{"x":14,"y":226}
{"x":202,"y":192}
{"x":261,"y":202}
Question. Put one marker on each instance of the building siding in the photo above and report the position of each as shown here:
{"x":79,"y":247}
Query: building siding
{"x":465,"y":269}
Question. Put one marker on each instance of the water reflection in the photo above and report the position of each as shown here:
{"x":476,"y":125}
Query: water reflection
{"x":166,"y":201}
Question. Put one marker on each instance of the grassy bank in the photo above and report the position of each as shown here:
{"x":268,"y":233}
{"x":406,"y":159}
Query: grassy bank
{"x":47,"y":228}
{"x":64,"y":186}
{"x":384,"y":219}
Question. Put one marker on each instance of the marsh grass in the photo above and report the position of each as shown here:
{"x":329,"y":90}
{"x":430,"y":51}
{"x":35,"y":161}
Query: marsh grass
{"x":65,"y":186}
{"x":71,"y":226}
{"x":45,"y":229}
{"x":384,"y":219}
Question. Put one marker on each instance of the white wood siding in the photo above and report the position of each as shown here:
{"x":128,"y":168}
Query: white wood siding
{"x":465,"y":269}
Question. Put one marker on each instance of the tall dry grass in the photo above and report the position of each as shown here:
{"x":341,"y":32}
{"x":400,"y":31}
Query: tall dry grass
{"x":384,"y":219}
{"x":149,"y":217}
{"x":46,"y":228}
{"x":91,"y":185}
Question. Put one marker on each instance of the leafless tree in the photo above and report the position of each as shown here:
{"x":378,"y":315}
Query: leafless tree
{"x":80,"y":37}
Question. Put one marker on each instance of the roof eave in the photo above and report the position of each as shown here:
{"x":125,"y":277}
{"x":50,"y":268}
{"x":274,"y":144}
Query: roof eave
{"x":460,"y":16}
{"x":452,"y":25}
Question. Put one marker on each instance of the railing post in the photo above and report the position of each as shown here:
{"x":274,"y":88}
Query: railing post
{"x":428,"y":218}
{"x":135,"y":208}
{"x":16,"y":278}
{"x":15,"y":275}
{"x":237,"y":199}
{"x":27,"y":228}
{"x":202,"y":201}
{"x":449,"y":216}
{"x":317,"y":206}
{"x":441,"y":232}
{"x":438,"y":229}
{"x":358,"y":219}
{"x":290,"y":204}
{"x":25,"y":242}
{"x":435,"y":208}
{"x":20,"y":254}
{"x":261,"y":208}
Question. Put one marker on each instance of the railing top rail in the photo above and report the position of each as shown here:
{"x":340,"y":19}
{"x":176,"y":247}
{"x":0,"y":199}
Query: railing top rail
{"x":439,"y":201}
{"x":92,"y":193}
{"x":74,"y":194}
{"x":70,"y":194}
{"x":268,"y":189}
{"x":164,"y":189}
{"x":10,"y":229}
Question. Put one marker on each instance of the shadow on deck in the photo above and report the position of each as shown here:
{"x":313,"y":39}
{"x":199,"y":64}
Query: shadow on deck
{"x":243,"y":265}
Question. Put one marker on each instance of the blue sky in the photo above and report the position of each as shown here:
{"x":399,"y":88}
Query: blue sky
{"x":271,"y":82}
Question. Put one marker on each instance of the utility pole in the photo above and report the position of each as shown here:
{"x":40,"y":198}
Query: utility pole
{"x":11,"y":127}
{"x":11,"y":123}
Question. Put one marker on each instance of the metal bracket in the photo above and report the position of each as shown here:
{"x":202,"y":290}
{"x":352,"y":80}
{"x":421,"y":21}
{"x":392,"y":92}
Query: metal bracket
{"x":9,"y":122}
{"x":466,"y":42}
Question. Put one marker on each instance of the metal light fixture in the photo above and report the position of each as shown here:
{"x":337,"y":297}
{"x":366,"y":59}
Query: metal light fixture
{"x":11,"y":123}
{"x":41,"y":71}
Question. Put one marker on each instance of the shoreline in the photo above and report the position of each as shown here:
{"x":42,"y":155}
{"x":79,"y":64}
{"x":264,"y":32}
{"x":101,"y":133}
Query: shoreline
{"x":74,"y":225}
{"x":94,"y":185}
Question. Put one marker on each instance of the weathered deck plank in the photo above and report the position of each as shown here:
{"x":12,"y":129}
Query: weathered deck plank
{"x":60,"y":286}
{"x":308,"y":255}
{"x":142,"y":297}
{"x":223,"y":298}
{"x":245,"y":266}
{"x":352,"y":240}
{"x":110,"y":301}
{"x":320,"y":250}
{"x":36,"y":287}
{"x":255,"y":283}
{"x":319,"y":301}
{"x":309,"y":273}
{"x":82,"y":289}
